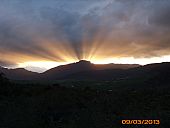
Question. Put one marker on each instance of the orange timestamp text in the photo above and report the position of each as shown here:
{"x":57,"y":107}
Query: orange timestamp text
{"x":146,"y":122}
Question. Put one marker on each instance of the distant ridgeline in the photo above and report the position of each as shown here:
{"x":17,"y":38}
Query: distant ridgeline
{"x":84,"y":70}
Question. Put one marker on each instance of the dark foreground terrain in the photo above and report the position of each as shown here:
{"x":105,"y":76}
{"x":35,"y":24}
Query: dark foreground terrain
{"x":83,"y":104}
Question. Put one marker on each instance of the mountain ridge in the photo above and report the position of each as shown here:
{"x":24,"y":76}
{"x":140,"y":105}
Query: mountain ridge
{"x":82,"y":66}
{"x":87,"y":70}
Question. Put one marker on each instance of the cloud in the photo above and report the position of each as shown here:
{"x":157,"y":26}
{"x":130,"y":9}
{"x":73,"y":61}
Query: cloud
{"x":7,"y":64}
{"x":159,"y":14}
{"x":65,"y":30}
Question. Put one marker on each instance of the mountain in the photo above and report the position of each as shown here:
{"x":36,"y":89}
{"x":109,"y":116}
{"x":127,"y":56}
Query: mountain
{"x":154,"y":73}
{"x":18,"y":74}
{"x":69,"y":69}
{"x":82,"y":66}
{"x":62,"y":71}
{"x":159,"y":72}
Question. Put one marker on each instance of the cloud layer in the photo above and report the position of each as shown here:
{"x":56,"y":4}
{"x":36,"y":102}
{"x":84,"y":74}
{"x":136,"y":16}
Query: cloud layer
{"x":64,"y":30}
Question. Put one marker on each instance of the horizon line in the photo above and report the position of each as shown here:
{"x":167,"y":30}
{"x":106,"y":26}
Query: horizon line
{"x":26,"y":68}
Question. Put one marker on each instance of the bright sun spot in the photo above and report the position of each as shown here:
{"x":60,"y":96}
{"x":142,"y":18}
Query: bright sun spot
{"x":132,"y":60}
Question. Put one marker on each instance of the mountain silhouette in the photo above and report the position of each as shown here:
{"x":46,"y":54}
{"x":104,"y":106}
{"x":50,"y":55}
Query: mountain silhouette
{"x":159,"y":72}
{"x":18,"y":74}
{"x":82,"y":66}
{"x":69,"y":69}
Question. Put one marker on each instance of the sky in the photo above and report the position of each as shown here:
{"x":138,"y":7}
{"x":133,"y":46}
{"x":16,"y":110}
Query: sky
{"x":41,"y":34}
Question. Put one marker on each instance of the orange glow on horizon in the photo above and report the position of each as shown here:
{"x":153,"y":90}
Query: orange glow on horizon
{"x":103,"y":47}
{"x":132,"y":60}
{"x":124,"y":60}
{"x":44,"y":65}
{"x":99,"y":37}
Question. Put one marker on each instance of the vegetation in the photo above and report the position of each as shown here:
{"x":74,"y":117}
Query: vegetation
{"x":91,"y":105}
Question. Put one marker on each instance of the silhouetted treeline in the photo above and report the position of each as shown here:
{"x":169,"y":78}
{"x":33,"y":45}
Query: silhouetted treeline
{"x":91,"y":105}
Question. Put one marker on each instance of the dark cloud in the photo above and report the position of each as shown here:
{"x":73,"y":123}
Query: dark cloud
{"x":125,"y":28}
{"x":7,"y":64}
{"x":160,"y":16}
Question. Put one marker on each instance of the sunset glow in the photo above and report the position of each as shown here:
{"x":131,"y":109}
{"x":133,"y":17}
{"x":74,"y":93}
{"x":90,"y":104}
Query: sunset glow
{"x":56,"y":33}
{"x":45,"y":65}
{"x":131,"y":60}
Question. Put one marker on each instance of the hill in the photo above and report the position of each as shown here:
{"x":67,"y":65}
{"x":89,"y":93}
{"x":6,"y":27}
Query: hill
{"x":159,"y":72}
{"x":82,"y":66}
{"x":18,"y":74}
{"x":61,"y":71}
{"x":84,"y":70}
